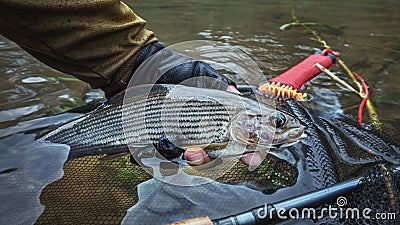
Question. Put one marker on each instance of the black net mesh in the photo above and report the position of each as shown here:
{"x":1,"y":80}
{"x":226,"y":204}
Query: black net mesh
{"x":374,"y":200}
{"x":92,"y":192}
{"x":101,"y":192}
{"x":378,"y":191}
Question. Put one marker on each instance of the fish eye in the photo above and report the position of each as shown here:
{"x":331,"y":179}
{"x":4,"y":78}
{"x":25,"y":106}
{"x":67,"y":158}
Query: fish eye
{"x":278,"y":120}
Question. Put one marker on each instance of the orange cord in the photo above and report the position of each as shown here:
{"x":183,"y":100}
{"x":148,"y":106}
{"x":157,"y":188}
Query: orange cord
{"x":281,"y":91}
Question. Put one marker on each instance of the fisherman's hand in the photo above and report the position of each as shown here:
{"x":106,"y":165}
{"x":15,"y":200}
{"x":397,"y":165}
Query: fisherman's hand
{"x":198,"y":156}
{"x":188,"y":72}
{"x":156,"y":64}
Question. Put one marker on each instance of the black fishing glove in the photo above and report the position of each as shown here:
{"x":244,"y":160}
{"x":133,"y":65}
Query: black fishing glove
{"x":168,"y":67}
{"x":155,"y":64}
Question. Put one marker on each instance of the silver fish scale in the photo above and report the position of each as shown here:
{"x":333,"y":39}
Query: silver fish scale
{"x":191,"y":122}
{"x":143,"y":121}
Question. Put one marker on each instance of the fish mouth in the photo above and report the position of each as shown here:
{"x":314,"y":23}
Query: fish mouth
{"x":297,"y":133}
{"x":292,"y":137}
{"x":293,"y":140}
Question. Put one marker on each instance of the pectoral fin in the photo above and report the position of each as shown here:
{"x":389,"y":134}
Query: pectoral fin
{"x":163,"y":148}
{"x":168,"y":149}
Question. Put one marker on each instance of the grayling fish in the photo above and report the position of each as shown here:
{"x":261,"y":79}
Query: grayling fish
{"x":188,"y":116}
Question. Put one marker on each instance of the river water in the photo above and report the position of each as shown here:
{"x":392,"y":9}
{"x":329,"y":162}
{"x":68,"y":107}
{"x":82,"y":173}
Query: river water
{"x":367,"y":34}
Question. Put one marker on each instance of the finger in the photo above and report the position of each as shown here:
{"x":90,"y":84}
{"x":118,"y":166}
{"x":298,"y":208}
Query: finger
{"x":252,"y":159}
{"x":196,"y":156}
{"x":232,"y":89}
